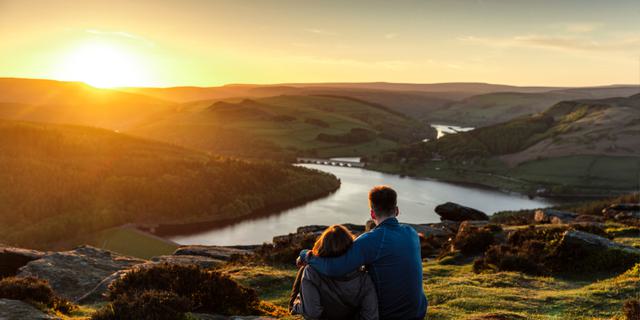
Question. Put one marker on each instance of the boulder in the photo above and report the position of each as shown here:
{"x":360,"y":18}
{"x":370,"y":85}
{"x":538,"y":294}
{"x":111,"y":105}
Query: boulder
{"x":18,"y":310}
{"x":12,"y":259}
{"x":215,"y":252}
{"x":72,"y":274}
{"x":455,"y":212}
{"x":97,"y":294}
{"x":583,"y":251}
{"x":553,"y":216}
{"x":200,"y":261}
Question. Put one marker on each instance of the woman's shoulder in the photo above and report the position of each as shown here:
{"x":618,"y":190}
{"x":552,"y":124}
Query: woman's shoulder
{"x":310,"y":273}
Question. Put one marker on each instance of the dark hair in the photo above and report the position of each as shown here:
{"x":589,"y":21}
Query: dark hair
{"x":383,"y":200}
{"x":333,"y":242}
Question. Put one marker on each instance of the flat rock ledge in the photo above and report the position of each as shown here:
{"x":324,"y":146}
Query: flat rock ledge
{"x":18,"y":310}
{"x":72,"y":274}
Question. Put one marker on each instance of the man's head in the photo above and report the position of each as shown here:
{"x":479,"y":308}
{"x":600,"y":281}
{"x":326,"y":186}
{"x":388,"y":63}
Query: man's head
{"x":383,"y":202}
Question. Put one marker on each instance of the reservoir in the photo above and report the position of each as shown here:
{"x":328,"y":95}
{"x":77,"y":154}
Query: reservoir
{"x":417,"y":199}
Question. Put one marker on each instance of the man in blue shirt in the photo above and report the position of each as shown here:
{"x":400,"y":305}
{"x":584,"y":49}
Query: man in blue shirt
{"x":391,"y":252}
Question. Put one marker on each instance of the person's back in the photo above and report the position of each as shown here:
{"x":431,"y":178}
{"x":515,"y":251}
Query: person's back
{"x":391,"y":252}
{"x":350,"y":297}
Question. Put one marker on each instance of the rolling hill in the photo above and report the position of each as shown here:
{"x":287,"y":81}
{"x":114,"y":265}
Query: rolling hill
{"x":58,"y":182}
{"x":285,"y":126}
{"x":493,"y":108}
{"x":588,"y":145}
{"x":74,"y":103}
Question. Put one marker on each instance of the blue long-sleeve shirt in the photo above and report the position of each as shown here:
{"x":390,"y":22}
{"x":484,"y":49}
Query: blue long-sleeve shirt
{"x":391,"y":252}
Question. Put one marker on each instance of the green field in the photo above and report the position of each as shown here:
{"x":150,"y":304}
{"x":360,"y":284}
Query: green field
{"x":596,"y":172}
{"x":597,"y":175}
{"x":128,"y":240}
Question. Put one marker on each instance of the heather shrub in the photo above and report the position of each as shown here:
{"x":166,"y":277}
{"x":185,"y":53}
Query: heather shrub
{"x":146,"y":305}
{"x":474,"y":242}
{"x":34,"y":291}
{"x":285,"y":253}
{"x":207,"y":291}
{"x":631,"y":309}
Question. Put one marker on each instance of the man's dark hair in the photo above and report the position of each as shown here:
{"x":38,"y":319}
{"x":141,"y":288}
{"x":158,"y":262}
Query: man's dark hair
{"x":383,"y":200}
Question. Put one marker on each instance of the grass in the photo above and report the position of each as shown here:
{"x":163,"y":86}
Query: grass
{"x":130,"y":241}
{"x":455,"y":292}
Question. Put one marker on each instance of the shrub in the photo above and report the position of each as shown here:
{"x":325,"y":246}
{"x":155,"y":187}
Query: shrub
{"x":147,"y":305}
{"x":506,"y":258}
{"x":631,"y":309}
{"x":34,"y":291}
{"x":285,"y":253}
{"x":474,"y":242}
{"x":206,"y":291}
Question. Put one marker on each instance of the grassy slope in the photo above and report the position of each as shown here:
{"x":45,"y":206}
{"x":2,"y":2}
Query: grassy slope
{"x":129,"y":241}
{"x":254,"y":132}
{"x":58,"y":182}
{"x":493,"y":108}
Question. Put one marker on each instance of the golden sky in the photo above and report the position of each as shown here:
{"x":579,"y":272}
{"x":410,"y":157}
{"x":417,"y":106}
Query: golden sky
{"x":172,"y":43}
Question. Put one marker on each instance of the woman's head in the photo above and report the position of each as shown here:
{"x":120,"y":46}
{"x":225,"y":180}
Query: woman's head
{"x":334,"y":242}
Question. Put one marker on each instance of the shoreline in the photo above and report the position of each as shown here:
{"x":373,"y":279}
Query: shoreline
{"x":476,"y":184}
{"x":165,"y":230}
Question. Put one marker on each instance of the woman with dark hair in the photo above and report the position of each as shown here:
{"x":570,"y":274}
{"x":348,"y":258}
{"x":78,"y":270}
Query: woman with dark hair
{"x":316,"y":296}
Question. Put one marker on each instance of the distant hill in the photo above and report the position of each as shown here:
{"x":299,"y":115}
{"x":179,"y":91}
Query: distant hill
{"x":74,"y":103}
{"x":493,"y":108}
{"x":450,"y":91}
{"x":583,"y":146}
{"x":59,"y":182}
{"x":285,"y":126}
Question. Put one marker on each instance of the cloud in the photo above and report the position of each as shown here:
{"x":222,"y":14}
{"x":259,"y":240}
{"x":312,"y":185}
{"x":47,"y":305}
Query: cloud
{"x":320,"y":32}
{"x":120,"y":34}
{"x":390,"y":36}
{"x":627,"y":43}
{"x":582,"y":27}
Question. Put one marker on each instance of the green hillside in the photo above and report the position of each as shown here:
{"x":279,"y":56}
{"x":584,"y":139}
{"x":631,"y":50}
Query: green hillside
{"x":285,"y":126}
{"x":57,"y":182}
{"x":581,"y":146}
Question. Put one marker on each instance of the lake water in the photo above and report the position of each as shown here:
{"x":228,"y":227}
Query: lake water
{"x":416,"y":198}
{"x":448,"y":129}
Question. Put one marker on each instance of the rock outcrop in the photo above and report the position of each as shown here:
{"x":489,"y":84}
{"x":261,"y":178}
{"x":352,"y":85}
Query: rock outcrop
{"x":72,"y":274}
{"x":12,"y":259}
{"x":554,"y":216}
{"x":200,"y":261}
{"x":214,"y":252}
{"x":456,"y":212}
{"x":583,"y":251}
{"x":18,"y":310}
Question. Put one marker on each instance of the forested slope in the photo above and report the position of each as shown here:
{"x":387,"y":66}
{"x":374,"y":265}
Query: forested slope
{"x":57,"y":182}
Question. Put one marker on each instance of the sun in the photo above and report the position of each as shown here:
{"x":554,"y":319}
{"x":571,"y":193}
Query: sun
{"x":102,"y":65}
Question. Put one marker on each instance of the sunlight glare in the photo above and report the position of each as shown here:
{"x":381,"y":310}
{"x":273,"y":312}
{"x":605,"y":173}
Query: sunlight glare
{"x":102,"y":65}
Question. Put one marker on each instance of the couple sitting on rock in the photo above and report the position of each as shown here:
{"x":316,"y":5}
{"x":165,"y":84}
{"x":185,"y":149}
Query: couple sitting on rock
{"x":376,"y":276}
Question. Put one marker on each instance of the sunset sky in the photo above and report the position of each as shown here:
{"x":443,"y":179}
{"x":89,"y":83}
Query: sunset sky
{"x":170,"y":43}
